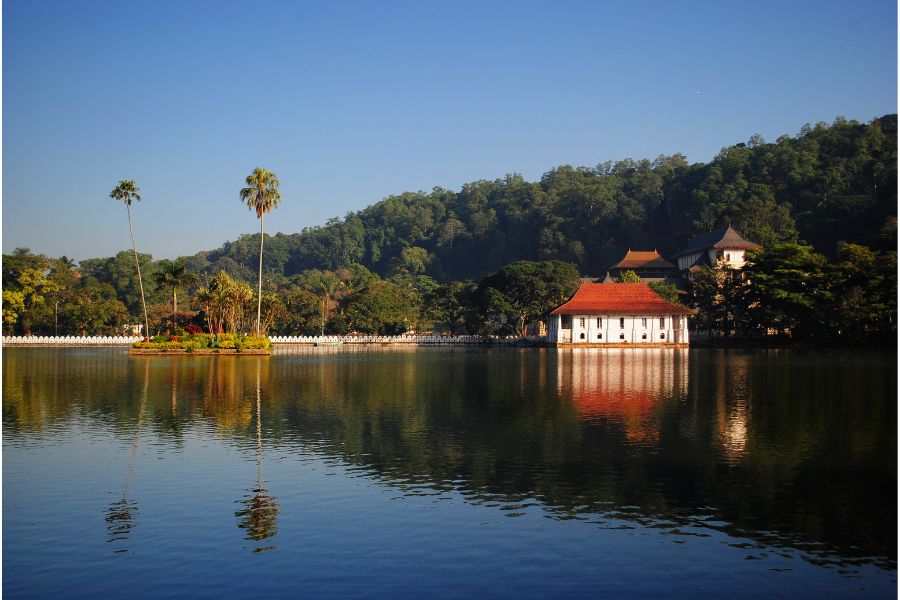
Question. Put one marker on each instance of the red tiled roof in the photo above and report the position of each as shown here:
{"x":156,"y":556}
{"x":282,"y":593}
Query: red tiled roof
{"x":636,"y":259}
{"x":618,"y":299}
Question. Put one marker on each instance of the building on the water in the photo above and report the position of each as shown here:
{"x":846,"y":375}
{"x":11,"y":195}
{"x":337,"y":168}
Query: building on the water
{"x":609,"y":314}
{"x":723,"y":247}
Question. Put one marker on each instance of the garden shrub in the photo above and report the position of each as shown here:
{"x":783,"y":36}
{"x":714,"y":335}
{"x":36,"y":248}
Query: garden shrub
{"x":205,"y":341}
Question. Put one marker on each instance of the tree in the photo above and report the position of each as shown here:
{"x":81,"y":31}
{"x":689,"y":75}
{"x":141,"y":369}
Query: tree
{"x":224,"y":302}
{"x":629,"y":277}
{"x":788,"y":288}
{"x":668,"y":291}
{"x":261,"y":195}
{"x":381,"y":307}
{"x":301,"y":312}
{"x":27,"y":281}
{"x":864,"y":285}
{"x":413,"y":261}
{"x":449,"y":306}
{"x":119,"y":272}
{"x":705,"y":296}
{"x":272,"y":310}
{"x":13,"y":307}
{"x":93,"y":308}
{"x":325,"y":282}
{"x":174,"y":274}
{"x":127,"y":191}
{"x":527,"y":290}
{"x":35,"y":285}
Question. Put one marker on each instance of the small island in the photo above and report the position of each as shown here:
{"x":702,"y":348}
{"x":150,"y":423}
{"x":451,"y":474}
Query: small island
{"x":204,"y":343}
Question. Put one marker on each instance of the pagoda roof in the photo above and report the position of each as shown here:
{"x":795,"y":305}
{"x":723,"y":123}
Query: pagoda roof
{"x":618,"y":299}
{"x":724,"y":237}
{"x":638,"y":259}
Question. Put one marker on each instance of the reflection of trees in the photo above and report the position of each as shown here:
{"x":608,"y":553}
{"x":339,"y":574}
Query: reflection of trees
{"x":494,"y":426}
{"x":39,"y":383}
{"x":121,"y":515}
{"x":260,"y":513}
{"x":769,"y":439}
{"x":223,"y":397}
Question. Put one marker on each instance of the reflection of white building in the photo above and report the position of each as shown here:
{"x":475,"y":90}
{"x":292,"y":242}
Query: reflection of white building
{"x":627,"y":385}
{"x":608,"y":314}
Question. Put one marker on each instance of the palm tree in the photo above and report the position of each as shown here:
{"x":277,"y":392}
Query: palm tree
{"x":174,"y":274}
{"x":127,"y":191}
{"x":262,"y":195}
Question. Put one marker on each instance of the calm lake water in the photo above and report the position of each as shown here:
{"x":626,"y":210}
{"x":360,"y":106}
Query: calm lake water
{"x":334,"y":472}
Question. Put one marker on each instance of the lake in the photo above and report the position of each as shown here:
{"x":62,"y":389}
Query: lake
{"x":386,"y":472}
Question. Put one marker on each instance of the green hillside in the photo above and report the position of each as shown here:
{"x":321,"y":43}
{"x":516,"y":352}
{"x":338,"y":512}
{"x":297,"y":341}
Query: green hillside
{"x":828,"y":184}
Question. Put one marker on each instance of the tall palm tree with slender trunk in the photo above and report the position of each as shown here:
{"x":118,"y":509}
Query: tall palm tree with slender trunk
{"x":174,"y":274}
{"x":127,"y":191}
{"x":261,"y":195}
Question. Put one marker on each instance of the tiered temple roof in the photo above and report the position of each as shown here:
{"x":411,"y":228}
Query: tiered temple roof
{"x":724,"y":237}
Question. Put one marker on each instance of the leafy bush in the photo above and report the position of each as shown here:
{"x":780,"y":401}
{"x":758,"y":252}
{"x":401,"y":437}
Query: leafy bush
{"x":188,"y":345}
{"x":205,"y":341}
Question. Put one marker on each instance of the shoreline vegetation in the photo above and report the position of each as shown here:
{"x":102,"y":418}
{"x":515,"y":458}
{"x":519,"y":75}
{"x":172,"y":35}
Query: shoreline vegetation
{"x":495,"y":257}
{"x":204,"y":343}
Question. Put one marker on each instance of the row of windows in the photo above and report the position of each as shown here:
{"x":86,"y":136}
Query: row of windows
{"x":662,"y":336}
{"x":567,"y":322}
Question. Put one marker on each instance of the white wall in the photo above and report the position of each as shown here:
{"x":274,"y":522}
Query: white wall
{"x":684,"y":262}
{"x":725,"y":256}
{"x":626,"y":329}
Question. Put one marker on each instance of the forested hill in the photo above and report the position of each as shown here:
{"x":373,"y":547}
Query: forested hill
{"x":828,"y":184}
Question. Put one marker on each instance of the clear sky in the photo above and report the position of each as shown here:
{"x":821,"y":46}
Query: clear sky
{"x":349,"y":102}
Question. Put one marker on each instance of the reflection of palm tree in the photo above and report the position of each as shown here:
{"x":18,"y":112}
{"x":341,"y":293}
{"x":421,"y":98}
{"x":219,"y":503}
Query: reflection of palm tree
{"x":174,"y":425}
{"x":121,"y":514}
{"x":260,"y":512}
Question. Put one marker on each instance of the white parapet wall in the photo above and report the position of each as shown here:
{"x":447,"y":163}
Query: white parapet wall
{"x":69,"y":340}
{"x":419,"y":340}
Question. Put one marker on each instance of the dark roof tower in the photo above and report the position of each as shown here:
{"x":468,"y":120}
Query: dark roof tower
{"x":724,"y":237}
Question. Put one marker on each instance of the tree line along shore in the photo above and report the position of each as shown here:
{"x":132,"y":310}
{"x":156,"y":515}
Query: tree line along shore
{"x":495,"y":257}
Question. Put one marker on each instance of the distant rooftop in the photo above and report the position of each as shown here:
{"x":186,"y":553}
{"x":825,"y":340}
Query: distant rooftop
{"x":724,"y":237}
{"x":642,"y":259}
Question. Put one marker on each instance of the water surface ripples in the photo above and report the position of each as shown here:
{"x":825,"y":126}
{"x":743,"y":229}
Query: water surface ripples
{"x":448,"y":472}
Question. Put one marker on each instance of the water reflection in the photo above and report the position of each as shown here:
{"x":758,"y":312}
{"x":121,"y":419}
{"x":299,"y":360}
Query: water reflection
{"x":789,"y":450}
{"x":121,"y":516}
{"x":626,"y":386}
{"x":733,"y":409}
{"x":259,"y":516}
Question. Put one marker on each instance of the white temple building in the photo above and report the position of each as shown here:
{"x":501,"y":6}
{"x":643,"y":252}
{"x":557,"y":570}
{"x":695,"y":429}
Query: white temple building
{"x":622,"y":314}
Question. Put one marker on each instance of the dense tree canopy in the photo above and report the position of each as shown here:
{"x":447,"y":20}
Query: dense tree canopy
{"x":828,"y":184}
{"x":523,"y":292}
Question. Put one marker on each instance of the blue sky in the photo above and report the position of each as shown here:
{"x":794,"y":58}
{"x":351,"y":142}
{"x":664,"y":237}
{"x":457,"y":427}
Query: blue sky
{"x":349,"y":102}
